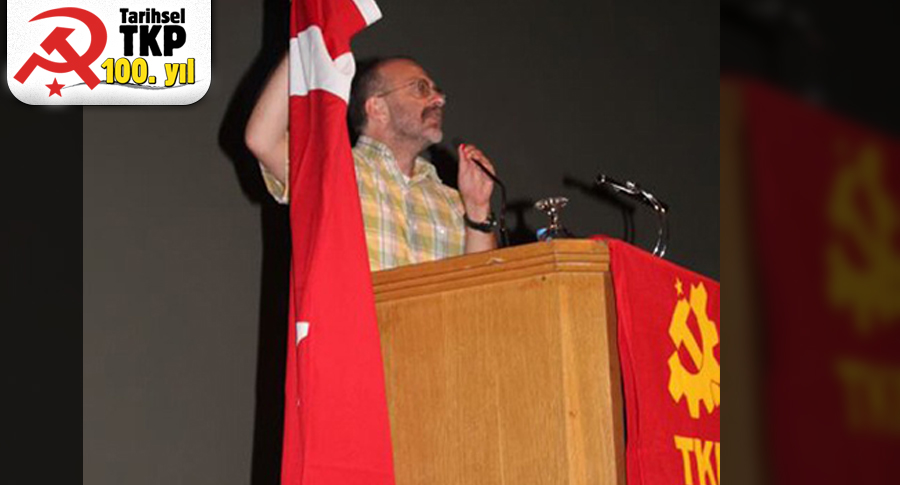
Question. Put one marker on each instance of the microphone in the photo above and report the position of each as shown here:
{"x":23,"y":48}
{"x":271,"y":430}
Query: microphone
{"x":501,"y":220}
{"x":635,"y":191}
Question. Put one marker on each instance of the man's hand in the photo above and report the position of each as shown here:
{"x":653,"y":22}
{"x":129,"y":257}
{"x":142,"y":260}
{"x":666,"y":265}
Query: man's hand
{"x":475,"y":186}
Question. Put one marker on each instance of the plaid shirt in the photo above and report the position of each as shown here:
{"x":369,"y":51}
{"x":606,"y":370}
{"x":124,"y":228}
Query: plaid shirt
{"x":408,"y":220}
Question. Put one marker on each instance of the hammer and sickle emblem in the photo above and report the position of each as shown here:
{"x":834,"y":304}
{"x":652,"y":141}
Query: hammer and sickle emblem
{"x":863,"y":258}
{"x":704,"y":385}
{"x":56,"y":41}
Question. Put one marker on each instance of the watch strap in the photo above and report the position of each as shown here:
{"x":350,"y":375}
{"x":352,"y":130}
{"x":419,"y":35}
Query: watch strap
{"x":487,"y":226}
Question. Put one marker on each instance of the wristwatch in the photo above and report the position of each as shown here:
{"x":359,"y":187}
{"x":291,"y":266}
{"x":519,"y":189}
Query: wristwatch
{"x":487,"y":226}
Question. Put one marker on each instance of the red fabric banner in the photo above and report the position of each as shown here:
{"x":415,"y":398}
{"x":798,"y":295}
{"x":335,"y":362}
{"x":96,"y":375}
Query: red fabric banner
{"x":668,"y":331}
{"x":827,"y":218}
{"x":336,"y":429}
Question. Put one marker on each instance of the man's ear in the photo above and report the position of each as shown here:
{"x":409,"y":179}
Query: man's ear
{"x":376,"y":109}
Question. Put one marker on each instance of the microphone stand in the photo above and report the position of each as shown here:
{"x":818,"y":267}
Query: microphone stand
{"x":661,"y":208}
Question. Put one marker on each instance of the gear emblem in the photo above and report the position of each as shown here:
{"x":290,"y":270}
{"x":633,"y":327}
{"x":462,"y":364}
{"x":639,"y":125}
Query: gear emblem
{"x":863,"y":261}
{"x":704,"y":385}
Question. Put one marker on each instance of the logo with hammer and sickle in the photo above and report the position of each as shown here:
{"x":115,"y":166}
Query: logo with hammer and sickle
{"x":703,"y":384}
{"x":56,"y":41}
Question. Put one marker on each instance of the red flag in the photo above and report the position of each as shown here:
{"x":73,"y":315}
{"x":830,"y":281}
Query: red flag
{"x":827,"y":213}
{"x":336,"y":428}
{"x":669,"y":348}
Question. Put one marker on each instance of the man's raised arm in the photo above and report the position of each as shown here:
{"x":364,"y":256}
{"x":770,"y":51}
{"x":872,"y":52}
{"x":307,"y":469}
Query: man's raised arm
{"x":267,"y":130}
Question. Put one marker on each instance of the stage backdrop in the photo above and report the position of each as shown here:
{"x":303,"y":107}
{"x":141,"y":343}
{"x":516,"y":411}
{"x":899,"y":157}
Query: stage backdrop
{"x":184,"y":259}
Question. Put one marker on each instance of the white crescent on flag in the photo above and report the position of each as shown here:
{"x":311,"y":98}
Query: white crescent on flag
{"x":312,"y":66}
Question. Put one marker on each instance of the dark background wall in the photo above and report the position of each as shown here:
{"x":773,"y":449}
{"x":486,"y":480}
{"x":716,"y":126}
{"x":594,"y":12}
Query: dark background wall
{"x":833,"y":54}
{"x":184,"y":257}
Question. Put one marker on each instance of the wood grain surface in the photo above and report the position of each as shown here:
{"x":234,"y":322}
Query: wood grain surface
{"x":501,"y":367}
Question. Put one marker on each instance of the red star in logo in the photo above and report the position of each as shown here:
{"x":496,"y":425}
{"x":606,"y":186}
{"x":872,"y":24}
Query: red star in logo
{"x":55,"y":88}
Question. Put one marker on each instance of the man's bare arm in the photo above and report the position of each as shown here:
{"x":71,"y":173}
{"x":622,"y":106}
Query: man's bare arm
{"x":267,"y":130}
{"x":475,"y":188}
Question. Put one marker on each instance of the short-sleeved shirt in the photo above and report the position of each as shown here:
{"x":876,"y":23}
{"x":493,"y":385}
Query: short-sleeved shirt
{"x":407,"y":219}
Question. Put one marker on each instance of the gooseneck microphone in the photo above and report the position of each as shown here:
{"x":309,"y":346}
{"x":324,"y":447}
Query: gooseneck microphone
{"x":501,"y":220}
{"x":635,"y":191}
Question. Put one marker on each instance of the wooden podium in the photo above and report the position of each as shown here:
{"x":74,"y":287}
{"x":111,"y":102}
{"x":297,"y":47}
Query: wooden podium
{"x":501,"y":367}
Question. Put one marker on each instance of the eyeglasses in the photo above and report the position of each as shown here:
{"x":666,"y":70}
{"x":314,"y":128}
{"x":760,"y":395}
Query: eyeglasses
{"x":423,"y":89}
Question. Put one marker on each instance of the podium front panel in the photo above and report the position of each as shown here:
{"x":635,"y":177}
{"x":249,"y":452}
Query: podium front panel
{"x":501,"y":368}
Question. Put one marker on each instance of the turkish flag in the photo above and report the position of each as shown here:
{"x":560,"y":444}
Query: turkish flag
{"x":336,"y":428}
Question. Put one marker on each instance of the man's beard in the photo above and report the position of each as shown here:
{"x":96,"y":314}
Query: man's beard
{"x":433,"y":134}
{"x":423,"y":128}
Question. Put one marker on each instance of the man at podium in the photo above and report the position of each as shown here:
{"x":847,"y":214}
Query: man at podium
{"x":410,"y":216}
